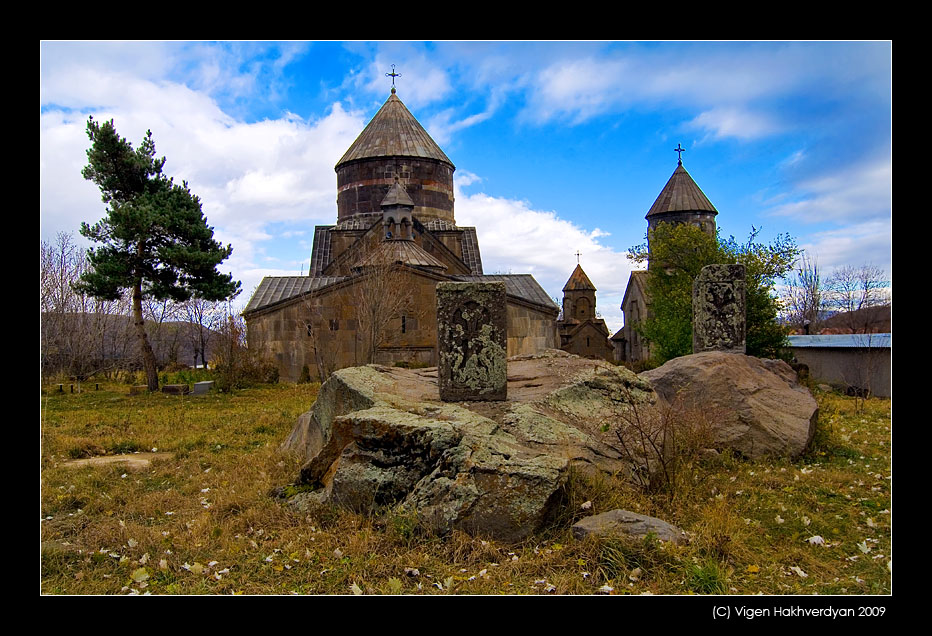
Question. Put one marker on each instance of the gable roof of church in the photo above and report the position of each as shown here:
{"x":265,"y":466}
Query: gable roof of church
{"x":397,"y":195}
{"x":401,"y":251}
{"x":322,"y":254}
{"x":637,"y":285}
{"x":521,"y":286}
{"x":394,"y":132}
{"x":681,"y":194}
{"x":274,"y":290}
{"x":579,"y":281}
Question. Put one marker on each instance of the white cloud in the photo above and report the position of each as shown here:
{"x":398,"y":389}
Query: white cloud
{"x":868,"y":243}
{"x":247,"y":175}
{"x":856,"y":194}
{"x":720,"y":123}
{"x":579,"y":88}
{"x":423,"y":80}
{"x":515,"y":238}
{"x":442,"y":129}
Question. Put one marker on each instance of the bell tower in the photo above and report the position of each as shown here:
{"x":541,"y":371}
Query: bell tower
{"x":681,"y":201}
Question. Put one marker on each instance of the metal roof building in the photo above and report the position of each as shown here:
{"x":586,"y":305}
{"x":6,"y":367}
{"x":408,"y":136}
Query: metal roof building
{"x":859,"y":361}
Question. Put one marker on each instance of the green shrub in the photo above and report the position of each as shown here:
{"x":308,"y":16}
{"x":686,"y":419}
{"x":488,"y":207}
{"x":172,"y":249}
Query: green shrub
{"x":709,"y":577}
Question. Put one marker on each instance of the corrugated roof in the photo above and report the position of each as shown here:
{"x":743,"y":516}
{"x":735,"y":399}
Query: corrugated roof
{"x":320,"y":250}
{"x":394,"y":132}
{"x":579,"y":281}
{"x":275,"y":289}
{"x":681,"y":194}
{"x":519,"y":285}
{"x":848,"y":340}
{"x":470,"y":245}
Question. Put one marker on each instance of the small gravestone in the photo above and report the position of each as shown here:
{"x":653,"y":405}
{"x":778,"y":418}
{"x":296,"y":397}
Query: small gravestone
{"x":138,"y":389}
{"x":200,"y":388}
{"x":624,"y":522}
{"x":176,"y":389}
{"x":472,"y":341}
{"x":719,"y":309}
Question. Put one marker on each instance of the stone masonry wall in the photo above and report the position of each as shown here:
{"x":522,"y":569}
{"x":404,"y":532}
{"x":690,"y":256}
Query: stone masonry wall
{"x":362,"y":185}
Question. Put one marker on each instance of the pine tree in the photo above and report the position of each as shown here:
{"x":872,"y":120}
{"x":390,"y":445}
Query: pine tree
{"x":154,"y":240}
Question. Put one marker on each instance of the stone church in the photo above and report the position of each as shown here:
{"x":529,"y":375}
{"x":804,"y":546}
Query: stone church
{"x":369,"y":295}
{"x":581,"y":331}
{"x":680,"y":201}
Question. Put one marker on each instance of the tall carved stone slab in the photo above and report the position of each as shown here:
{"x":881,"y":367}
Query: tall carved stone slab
{"x":472,"y":341}
{"x":719,"y":309}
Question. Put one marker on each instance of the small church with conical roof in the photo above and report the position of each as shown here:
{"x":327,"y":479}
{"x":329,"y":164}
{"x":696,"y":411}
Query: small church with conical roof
{"x":369,"y":294}
{"x":580,"y":330}
{"x":680,"y":201}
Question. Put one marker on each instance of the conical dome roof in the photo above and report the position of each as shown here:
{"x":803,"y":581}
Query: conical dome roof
{"x":681,"y":194}
{"x":394,"y":132}
{"x":578,"y":281}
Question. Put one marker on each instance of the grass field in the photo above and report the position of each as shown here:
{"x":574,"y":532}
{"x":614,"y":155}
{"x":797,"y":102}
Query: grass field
{"x":205,"y":519}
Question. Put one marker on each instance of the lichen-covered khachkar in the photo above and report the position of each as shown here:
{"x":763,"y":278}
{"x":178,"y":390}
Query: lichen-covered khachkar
{"x":472,"y":341}
{"x":719,"y":309}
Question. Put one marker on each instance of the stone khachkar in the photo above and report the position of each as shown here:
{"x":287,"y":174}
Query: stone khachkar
{"x":719,"y":309}
{"x":471,"y":334}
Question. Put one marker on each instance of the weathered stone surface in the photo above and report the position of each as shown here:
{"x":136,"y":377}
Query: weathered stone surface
{"x":624,"y":522}
{"x":134,"y":462}
{"x":176,"y":389}
{"x":380,"y":436}
{"x":760,"y":407}
{"x":719,"y":309}
{"x":202,"y":388}
{"x":472,"y":340}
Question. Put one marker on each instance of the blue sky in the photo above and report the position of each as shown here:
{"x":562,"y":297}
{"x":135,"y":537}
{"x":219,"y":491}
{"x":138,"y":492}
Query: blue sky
{"x":559,"y":146}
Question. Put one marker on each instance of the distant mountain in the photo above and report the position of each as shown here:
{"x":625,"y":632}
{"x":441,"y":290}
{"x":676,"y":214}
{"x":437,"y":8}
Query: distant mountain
{"x":867,"y":320}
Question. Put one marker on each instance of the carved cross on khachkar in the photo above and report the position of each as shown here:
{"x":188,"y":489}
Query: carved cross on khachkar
{"x":720,"y":309}
{"x":393,"y":75}
{"x":679,"y":150}
{"x":472,"y":341}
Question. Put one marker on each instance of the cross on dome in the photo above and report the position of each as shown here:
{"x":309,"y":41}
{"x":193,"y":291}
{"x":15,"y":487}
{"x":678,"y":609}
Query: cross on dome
{"x":393,"y":75}
{"x":679,"y":150}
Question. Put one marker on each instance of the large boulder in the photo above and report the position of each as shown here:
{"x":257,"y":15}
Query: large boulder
{"x":759,"y":407}
{"x":380,"y":436}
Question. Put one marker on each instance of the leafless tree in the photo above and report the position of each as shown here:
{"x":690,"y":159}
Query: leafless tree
{"x":204,"y":319}
{"x":803,"y":296}
{"x":162,"y":327}
{"x":852,"y":289}
{"x":322,"y":344}
{"x":382,"y":295}
{"x":79,"y":335}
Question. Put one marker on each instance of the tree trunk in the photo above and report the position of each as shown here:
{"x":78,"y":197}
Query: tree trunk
{"x":148,"y":357}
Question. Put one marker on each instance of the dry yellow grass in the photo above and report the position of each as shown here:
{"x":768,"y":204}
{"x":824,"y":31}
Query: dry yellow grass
{"x":206,"y":521}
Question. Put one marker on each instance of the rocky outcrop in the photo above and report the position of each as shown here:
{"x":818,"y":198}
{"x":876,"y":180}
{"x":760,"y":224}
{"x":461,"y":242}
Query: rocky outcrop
{"x":759,"y":406}
{"x":380,"y":436}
